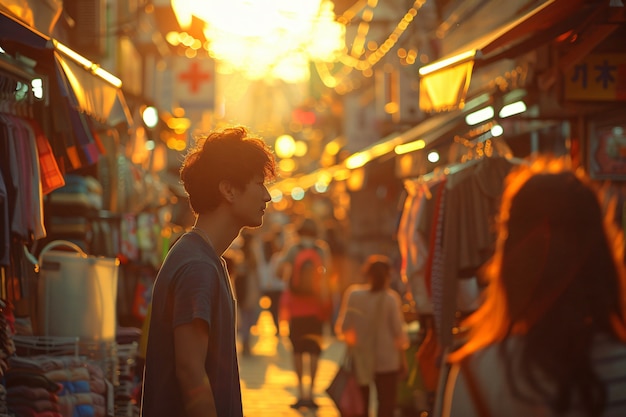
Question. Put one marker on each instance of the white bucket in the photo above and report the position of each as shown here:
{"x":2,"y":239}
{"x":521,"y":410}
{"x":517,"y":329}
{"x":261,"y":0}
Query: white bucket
{"x":77,"y":293}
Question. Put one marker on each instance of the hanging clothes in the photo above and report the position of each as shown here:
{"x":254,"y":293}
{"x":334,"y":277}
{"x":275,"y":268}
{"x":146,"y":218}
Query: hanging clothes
{"x":5,"y":244}
{"x":412,"y":245}
{"x":26,"y":218}
{"x":416,"y":230}
{"x":447,"y":233}
{"x":50,"y":174}
{"x":472,"y":201}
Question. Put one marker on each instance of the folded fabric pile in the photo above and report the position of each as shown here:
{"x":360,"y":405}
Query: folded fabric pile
{"x":60,"y":386}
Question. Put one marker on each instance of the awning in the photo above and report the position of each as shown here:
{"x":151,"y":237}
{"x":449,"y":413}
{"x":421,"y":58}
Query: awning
{"x":81,"y":94}
{"x":432,"y":131}
{"x":97,"y":97}
{"x":97,"y":92}
{"x":445,"y":82}
{"x":11,"y":28}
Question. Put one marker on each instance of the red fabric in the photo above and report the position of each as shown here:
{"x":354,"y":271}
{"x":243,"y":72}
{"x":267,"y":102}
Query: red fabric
{"x":428,"y":357}
{"x":301,"y":306}
{"x":51,"y":176}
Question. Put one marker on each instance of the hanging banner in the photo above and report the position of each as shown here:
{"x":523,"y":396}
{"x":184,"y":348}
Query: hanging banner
{"x":193,"y":83}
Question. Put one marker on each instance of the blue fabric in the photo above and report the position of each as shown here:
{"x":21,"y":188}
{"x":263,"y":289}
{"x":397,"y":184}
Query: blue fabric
{"x":84,"y":410}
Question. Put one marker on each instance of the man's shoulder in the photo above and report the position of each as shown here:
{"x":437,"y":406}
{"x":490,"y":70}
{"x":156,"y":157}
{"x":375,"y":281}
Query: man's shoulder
{"x":190,"y":246}
{"x":187,"y":254}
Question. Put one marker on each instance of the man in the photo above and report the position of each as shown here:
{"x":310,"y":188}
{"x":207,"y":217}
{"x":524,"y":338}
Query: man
{"x":191,"y":365}
{"x":307,"y":310}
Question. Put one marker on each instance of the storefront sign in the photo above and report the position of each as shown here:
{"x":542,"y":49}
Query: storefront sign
{"x":597,"y":77}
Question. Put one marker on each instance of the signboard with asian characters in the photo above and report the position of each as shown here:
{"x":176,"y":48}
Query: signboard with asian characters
{"x":599,"y":77}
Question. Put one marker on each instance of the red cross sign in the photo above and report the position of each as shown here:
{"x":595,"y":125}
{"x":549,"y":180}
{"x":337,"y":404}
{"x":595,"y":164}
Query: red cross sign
{"x":193,"y":82}
{"x":195,"y":76}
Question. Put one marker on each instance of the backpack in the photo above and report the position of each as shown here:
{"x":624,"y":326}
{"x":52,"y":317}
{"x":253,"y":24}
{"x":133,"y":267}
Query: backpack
{"x":308,"y":272}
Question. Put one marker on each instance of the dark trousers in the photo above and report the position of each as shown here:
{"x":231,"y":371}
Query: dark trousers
{"x":386,"y":393}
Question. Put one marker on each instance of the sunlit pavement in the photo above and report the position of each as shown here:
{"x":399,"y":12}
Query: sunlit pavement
{"x":268,"y":382}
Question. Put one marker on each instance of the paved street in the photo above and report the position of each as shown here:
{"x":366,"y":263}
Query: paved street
{"x":268,"y":381}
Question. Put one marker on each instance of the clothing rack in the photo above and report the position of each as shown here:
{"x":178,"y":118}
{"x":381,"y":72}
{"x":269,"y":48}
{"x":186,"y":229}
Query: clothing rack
{"x":437,"y":258}
{"x":475,"y":153}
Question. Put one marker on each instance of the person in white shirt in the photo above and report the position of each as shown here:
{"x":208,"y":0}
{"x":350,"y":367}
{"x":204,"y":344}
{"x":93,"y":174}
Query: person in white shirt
{"x":371,"y":323}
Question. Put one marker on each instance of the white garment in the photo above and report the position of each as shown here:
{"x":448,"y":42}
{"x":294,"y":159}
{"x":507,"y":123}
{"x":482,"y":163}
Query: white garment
{"x":358,"y":307}
{"x":268,"y":274}
{"x":489,"y":372}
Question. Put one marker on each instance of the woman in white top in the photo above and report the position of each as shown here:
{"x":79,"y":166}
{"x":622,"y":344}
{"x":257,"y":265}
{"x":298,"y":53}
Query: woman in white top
{"x":549,"y":338}
{"x":370,"y":322}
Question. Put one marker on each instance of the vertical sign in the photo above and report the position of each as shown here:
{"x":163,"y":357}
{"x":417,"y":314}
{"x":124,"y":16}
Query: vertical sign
{"x":193,"y":83}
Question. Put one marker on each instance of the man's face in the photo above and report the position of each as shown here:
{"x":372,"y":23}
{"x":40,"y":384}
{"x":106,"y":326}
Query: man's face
{"x":250,"y":203}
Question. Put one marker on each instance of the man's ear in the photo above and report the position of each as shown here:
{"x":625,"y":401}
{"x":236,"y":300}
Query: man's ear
{"x":227,"y":190}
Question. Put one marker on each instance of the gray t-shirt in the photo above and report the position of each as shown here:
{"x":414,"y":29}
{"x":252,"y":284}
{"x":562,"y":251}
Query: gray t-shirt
{"x":192,"y":283}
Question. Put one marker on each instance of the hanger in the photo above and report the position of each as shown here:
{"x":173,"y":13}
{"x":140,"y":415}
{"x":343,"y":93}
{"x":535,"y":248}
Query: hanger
{"x":8,"y":102}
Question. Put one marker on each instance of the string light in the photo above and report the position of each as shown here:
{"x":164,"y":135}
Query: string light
{"x":350,"y":61}
{"x":334,"y":63}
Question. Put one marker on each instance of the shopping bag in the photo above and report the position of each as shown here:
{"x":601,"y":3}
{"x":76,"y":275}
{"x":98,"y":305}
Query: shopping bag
{"x":346,"y":393}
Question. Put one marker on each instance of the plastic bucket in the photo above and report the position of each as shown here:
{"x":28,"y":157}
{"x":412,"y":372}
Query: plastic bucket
{"x":77,"y":293}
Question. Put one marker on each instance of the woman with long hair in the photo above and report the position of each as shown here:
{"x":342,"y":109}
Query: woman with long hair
{"x":550,"y":336}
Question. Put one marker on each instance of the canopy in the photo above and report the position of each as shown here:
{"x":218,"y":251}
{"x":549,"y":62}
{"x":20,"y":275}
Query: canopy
{"x":95,"y":96}
{"x":444,"y":83}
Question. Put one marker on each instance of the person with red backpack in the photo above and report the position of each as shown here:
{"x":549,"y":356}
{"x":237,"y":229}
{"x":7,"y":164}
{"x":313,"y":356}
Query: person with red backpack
{"x":307,"y":303}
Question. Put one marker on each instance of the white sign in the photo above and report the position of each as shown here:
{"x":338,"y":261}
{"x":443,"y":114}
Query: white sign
{"x":193,"y":82}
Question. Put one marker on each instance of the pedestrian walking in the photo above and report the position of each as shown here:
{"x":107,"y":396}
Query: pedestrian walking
{"x":191,"y":364}
{"x":371,"y":324}
{"x":307,"y":303}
